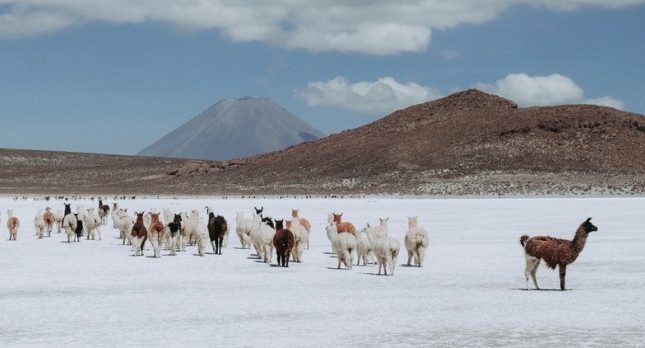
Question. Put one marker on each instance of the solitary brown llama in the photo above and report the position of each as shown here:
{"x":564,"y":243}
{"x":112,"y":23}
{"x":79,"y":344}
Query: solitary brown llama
{"x":554,"y":251}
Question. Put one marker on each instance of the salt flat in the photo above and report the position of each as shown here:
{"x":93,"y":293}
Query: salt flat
{"x":95,"y":293}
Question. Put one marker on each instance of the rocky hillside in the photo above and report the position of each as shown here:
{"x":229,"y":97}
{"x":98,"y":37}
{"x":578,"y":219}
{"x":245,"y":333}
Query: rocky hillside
{"x":469,"y":143}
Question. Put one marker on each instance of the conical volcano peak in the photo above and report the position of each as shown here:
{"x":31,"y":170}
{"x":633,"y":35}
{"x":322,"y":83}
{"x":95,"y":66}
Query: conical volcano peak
{"x":234,"y":127}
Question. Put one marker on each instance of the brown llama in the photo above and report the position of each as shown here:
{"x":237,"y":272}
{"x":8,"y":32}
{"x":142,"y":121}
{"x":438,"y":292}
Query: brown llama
{"x":139,"y":234}
{"x":283,"y":240}
{"x":13,"y":223}
{"x":50,"y":219}
{"x":156,"y":233}
{"x":344,"y":227}
{"x":554,"y":251}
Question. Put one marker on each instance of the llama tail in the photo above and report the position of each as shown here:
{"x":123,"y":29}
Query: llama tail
{"x":523,"y":239}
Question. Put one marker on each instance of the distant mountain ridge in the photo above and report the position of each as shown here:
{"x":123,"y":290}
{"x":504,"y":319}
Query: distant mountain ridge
{"x":469,"y":143}
{"x":234,"y":128}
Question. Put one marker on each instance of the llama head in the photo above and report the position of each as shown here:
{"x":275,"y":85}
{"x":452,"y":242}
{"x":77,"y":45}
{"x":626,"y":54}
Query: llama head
{"x":259,"y":211}
{"x":289,"y":224}
{"x":177,"y":218}
{"x":588,"y":226}
{"x":384,"y":221}
{"x":294,"y":212}
{"x":338,"y":217}
{"x":155,"y":217}
{"x":279,"y":224}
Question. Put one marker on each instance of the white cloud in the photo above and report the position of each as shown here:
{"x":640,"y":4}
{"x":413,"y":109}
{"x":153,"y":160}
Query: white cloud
{"x":368,"y":27}
{"x":386,"y":94}
{"x":553,"y":89}
{"x":379,"y":97}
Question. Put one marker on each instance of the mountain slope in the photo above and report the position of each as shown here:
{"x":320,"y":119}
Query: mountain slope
{"x":469,"y":143}
{"x":464,"y":139}
{"x":234,"y":128}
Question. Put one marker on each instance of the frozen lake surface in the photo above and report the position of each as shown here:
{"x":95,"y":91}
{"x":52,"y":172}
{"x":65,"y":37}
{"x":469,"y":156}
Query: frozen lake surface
{"x":470,"y":292}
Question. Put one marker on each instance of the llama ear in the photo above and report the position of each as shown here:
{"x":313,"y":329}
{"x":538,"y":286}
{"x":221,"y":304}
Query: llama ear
{"x":589,"y":219}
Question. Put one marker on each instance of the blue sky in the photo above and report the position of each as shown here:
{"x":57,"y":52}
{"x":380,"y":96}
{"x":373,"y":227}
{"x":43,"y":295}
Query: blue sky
{"x":83,"y":76}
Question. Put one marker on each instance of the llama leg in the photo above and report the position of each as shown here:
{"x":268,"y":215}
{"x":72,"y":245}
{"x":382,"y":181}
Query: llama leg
{"x":527,"y":271}
{"x":563,"y":273}
{"x":533,"y":271}
{"x":409,"y":257}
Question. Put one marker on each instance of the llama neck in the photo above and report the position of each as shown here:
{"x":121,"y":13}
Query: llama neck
{"x":579,"y":241}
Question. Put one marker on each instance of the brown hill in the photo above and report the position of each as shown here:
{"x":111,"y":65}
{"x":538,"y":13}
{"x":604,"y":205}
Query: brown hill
{"x":467,"y":143}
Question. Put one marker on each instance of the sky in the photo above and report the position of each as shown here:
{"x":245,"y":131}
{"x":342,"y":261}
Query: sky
{"x":114,"y":76}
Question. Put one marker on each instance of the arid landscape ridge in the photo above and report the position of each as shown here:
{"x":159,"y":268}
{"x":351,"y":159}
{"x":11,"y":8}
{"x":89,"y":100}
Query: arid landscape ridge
{"x":469,"y":143}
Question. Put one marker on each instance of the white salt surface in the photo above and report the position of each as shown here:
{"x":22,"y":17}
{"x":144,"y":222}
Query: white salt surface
{"x":469,"y":293}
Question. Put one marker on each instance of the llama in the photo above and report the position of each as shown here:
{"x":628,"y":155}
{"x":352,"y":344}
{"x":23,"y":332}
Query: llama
{"x":416,"y":242}
{"x":243,"y":229}
{"x":173,"y":230}
{"x":79,"y":228}
{"x":259,"y":211}
{"x":217,"y":229}
{"x":139,"y":234}
{"x":554,"y":251}
{"x":189,"y":228}
{"x":115,"y":214}
{"x":343,"y":244}
{"x":13,"y":223}
{"x":304,"y":222}
{"x":283,"y":240}
{"x":262,"y":239}
{"x":386,"y":249}
{"x":104,"y":211}
{"x":344,"y":227}
{"x":58,"y":220}
{"x":50,"y":220}
{"x":255,"y":236}
{"x":92,"y":223}
{"x":156,"y":231}
{"x":69,"y":225}
{"x":301,"y":236}
{"x":124,"y":224}
{"x":39,"y":224}
{"x":363,"y":249}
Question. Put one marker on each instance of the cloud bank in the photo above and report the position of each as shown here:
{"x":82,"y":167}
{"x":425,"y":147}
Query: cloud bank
{"x":379,"y":97}
{"x":548,"y":90}
{"x":366,"y":27}
{"x":385,"y":95}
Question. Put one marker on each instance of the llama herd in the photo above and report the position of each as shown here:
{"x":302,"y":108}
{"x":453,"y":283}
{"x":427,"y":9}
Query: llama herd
{"x":174,"y":231}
